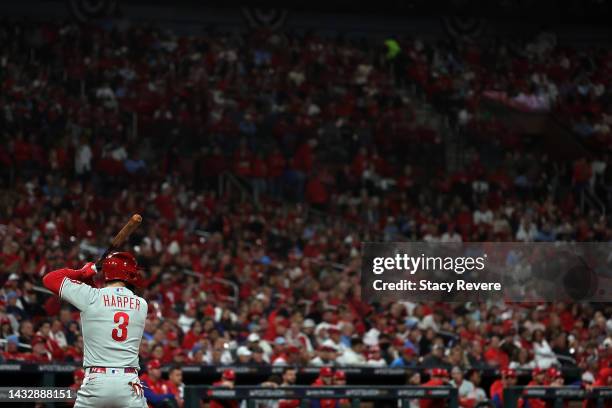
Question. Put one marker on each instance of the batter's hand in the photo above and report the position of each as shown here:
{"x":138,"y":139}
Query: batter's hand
{"x":88,"y":271}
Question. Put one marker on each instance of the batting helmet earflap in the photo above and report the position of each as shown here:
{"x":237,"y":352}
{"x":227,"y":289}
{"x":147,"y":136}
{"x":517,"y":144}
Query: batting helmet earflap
{"x":121,"y":266}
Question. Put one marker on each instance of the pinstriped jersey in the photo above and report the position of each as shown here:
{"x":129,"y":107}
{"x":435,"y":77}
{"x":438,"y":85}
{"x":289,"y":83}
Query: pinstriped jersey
{"x":112,"y":323}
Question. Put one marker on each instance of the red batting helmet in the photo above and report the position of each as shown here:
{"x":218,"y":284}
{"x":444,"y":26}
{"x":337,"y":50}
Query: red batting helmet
{"x":121,"y":266}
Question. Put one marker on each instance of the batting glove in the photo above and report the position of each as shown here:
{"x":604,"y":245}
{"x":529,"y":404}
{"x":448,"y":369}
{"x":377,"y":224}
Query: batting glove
{"x":88,"y":271}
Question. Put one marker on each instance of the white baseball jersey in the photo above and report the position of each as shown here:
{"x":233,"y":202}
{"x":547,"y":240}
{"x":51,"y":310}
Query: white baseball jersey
{"x":112,"y":322}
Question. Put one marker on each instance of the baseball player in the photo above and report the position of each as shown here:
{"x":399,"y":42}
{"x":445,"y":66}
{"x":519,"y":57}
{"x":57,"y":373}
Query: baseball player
{"x":112,"y":323}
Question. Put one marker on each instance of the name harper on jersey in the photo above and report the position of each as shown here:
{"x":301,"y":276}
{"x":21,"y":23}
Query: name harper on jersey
{"x":121,"y":302}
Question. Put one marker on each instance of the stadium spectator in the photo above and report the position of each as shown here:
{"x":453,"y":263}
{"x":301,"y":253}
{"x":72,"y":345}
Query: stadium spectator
{"x":544,"y":355}
{"x":375,"y":358}
{"x":228,"y":380}
{"x":478,"y":394}
{"x":353,"y":356}
{"x":326,"y":355}
{"x":465,"y":388}
{"x":538,"y":379}
{"x":438,"y":378}
{"x":77,"y":376}
{"x":604,"y":379}
{"x":325,"y":379}
{"x":436,"y":357}
{"x":155,"y":388}
{"x":288,"y":379}
{"x":244,"y":356}
{"x":508,"y":379}
{"x":176,"y":386}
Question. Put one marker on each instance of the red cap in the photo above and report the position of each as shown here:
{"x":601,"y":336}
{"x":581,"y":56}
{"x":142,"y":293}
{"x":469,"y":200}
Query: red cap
{"x":409,"y":350}
{"x":439,"y":372}
{"x":153,"y":364}
{"x":38,"y":339}
{"x":537,"y":371}
{"x":229,"y":375}
{"x":508,"y":373}
{"x":293,"y":350}
{"x":554,"y":373}
{"x":340,"y":375}
{"x":326,"y":372}
{"x":79,"y":373}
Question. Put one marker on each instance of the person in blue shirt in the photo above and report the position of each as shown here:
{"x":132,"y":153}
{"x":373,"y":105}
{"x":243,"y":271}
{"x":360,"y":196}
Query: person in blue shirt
{"x":408,"y":358}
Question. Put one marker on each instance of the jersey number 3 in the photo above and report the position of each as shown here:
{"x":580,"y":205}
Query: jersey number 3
{"x":120,"y":332}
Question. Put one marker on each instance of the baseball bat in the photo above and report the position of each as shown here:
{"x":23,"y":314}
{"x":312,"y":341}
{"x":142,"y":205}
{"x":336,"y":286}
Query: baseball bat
{"x":120,"y":238}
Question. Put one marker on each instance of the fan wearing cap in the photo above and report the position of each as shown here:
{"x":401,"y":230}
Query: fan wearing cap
{"x":255,"y":340}
{"x":156,"y":390}
{"x":12,"y":352}
{"x":325,"y":379}
{"x":508,"y":379}
{"x":408,"y":358}
{"x":244,"y":356}
{"x":375,"y":358}
{"x":604,"y":379}
{"x":438,"y":378}
{"x":40,"y":354}
{"x":112,"y":321}
{"x":77,"y":375}
{"x":280,"y":355}
{"x":326,"y":355}
{"x":538,"y":379}
{"x":228,"y":379}
{"x":335,"y":335}
{"x":554,"y":377}
{"x":340,"y":380}
{"x":604,"y":352}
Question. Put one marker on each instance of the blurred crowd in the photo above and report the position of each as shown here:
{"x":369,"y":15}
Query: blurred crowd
{"x":101,"y":122}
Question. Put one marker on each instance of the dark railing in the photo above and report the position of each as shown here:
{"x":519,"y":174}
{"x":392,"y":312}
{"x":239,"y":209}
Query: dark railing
{"x":354,"y":394}
{"x":558,"y":395}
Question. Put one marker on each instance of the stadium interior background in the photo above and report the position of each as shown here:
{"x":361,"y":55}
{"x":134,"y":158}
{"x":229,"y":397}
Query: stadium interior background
{"x":262,"y":146}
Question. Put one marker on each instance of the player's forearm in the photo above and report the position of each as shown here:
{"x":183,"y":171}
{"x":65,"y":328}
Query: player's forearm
{"x":53,"y":280}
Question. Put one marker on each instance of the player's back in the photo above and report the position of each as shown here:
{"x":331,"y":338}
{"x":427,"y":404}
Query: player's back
{"x":112,"y":321}
{"x":113,"y":328}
